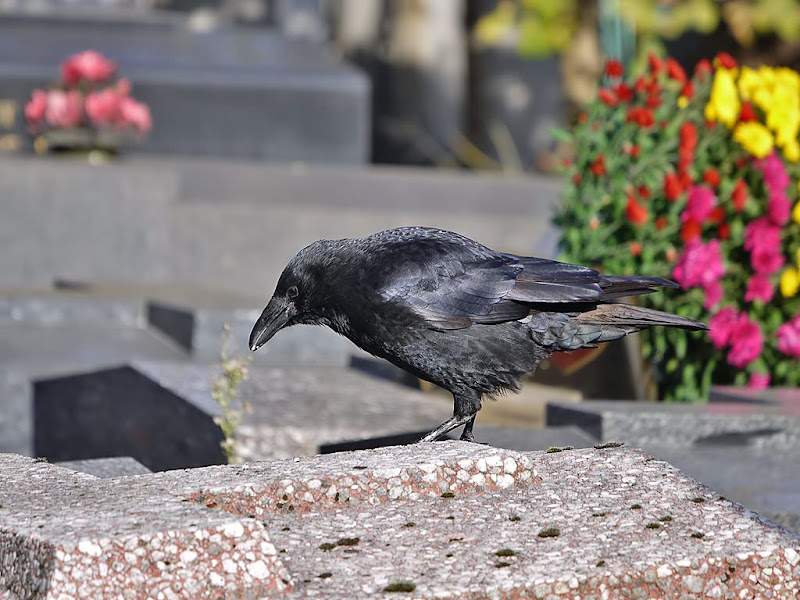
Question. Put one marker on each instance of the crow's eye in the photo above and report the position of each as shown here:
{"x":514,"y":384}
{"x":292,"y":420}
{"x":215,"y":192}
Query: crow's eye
{"x":292,"y":292}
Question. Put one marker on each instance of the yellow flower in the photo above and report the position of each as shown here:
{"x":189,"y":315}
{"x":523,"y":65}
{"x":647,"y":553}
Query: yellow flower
{"x":749,"y":81}
{"x":683,"y":102}
{"x":790,"y":282}
{"x":796,"y":213}
{"x":755,"y":138}
{"x":723,"y":105}
{"x":791,"y":150}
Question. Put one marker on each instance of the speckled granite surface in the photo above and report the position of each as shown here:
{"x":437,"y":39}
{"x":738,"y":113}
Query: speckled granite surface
{"x":444,"y":520}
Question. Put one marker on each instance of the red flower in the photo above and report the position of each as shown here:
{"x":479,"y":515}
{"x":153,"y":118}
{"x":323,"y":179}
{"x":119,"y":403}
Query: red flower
{"x":688,"y":138}
{"x":582,"y":117}
{"x":90,"y":65}
{"x":598,"y":167}
{"x":635,"y":212}
{"x":608,"y":97}
{"x":640,"y":84}
{"x":725,"y":60}
{"x":636,"y":248}
{"x":703,"y":69}
{"x":690,"y":231}
{"x":102,"y":107}
{"x":739,"y":195}
{"x":36,"y":107}
{"x":656,"y":64}
{"x":675,"y":70}
{"x":640,"y":115}
{"x":661,"y":222}
{"x":643,"y":191}
{"x":64,"y":109}
{"x":672,"y":187}
{"x":576,"y":179}
{"x":653,"y":101}
{"x":747,"y":113}
{"x":623,"y":92}
{"x":614,"y":68}
{"x":716,"y":215}
{"x":711,"y":124}
{"x":135,"y":114}
{"x":688,"y":90}
{"x":711,"y":177}
{"x":652,"y":87}
{"x":634,"y":150}
{"x":724,"y":231}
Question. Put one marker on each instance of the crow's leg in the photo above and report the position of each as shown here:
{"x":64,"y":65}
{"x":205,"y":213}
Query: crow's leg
{"x":465,"y":407}
{"x":466,"y":435}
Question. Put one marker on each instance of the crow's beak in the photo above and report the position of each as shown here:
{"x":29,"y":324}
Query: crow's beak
{"x":274,"y":318}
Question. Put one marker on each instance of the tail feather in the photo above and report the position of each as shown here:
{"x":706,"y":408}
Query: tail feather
{"x":621,"y":286}
{"x":607,"y":322}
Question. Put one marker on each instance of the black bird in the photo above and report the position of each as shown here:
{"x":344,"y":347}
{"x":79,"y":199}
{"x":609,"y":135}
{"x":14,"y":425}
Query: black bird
{"x":454,"y":312}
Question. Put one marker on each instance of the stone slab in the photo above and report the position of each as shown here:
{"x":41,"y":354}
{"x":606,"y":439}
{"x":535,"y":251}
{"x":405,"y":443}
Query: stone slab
{"x":233,"y":226}
{"x":442,"y":520}
{"x":106,"y":468}
{"x":763,"y":425}
{"x":284,"y":100}
{"x":121,"y":412}
{"x":162,"y":413}
{"x":523,"y":440}
{"x":295,"y":410}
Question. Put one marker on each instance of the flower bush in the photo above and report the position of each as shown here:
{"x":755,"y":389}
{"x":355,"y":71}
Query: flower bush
{"x":696,"y":179}
{"x":87,"y":97}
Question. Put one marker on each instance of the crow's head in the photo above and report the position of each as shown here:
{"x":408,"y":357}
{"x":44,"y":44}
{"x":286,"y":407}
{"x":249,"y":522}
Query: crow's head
{"x":298,"y":295}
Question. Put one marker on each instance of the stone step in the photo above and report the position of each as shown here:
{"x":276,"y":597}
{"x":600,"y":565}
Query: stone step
{"x":440,"y":520}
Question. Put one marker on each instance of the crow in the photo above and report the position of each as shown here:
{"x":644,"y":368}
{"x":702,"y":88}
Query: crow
{"x":454,"y":312}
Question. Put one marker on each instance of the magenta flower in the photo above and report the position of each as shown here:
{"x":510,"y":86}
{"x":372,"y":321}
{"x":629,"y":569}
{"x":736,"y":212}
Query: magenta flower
{"x":759,"y":381}
{"x":779,"y":208}
{"x":699,"y":264}
{"x":746,"y":341}
{"x":759,"y":288}
{"x":699,"y":204}
{"x":776,"y":180}
{"x":721,"y":326}
{"x":789,"y":337}
{"x":714,"y":294}
{"x":762,"y":238}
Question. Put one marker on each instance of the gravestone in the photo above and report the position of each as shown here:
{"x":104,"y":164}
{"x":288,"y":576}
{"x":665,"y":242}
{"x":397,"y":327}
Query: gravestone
{"x":121,"y":412}
{"x":230,"y":93}
{"x":106,"y":468}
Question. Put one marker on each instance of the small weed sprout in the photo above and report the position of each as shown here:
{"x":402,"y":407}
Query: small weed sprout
{"x":234,"y":370}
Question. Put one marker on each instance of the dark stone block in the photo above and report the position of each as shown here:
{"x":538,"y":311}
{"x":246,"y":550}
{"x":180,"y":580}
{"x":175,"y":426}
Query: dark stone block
{"x":120,"y":412}
{"x":107,"y":468}
{"x":228,"y":93}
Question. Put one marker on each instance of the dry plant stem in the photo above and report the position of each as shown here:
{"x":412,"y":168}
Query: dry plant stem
{"x":223,"y":390}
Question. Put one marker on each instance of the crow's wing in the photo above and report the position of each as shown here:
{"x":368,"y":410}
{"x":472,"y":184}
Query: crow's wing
{"x":453,"y":283}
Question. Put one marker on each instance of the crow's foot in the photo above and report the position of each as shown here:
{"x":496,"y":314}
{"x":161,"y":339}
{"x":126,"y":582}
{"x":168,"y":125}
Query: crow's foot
{"x":448,"y":426}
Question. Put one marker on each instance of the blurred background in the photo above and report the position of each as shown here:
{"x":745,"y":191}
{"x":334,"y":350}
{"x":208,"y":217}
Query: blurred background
{"x":162,"y":160}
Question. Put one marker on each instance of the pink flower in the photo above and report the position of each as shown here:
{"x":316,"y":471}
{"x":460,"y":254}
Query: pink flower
{"x":136,"y":114}
{"x":714,"y":294}
{"x":759,"y":381}
{"x":779,"y":208}
{"x":103,"y":107}
{"x":699,"y":204}
{"x":762,"y":238}
{"x":699,"y":264}
{"x":124,"y":86}
{"x":721,"y":326}
{"x":789,"y":338}
{"x":746,"y":342}
{"x":759,"y":288}
{"x":36,"y":107}
{"x":766,"y":262}
{"x":89,"y":65}
{"x":64,"y":109}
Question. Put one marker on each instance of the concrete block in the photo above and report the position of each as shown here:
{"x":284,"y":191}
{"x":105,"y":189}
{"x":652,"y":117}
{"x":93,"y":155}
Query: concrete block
{"x":106,"y":468}
{"x":443,"y":520}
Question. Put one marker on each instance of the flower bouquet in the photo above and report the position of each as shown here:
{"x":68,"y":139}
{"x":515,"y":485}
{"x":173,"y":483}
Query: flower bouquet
{"x":696,"y":179}
{"x":87,"y":109}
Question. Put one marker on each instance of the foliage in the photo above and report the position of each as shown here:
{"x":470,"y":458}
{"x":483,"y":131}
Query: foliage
{"x":541,"y":27}
{"x":697,"y":180}
{"x":223,"y":390}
